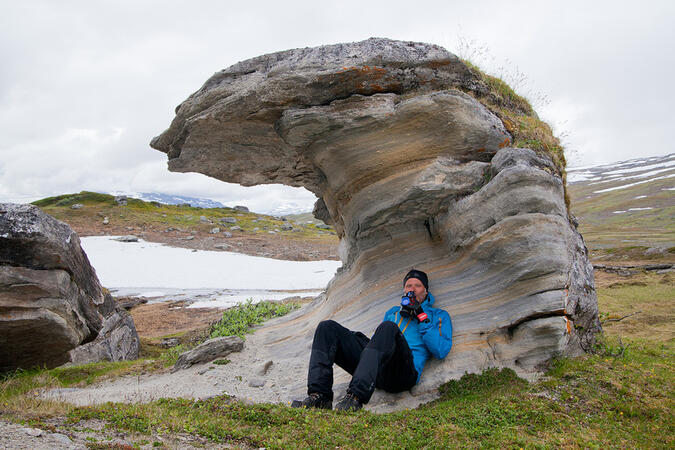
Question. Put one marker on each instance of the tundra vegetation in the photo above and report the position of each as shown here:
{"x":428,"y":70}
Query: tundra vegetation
{"x":621,"y":395}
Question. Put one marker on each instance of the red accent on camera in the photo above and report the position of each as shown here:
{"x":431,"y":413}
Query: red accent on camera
{"x":422,"y":317}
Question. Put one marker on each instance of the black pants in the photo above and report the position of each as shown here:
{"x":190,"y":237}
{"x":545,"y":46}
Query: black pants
{"x":385,"y":361}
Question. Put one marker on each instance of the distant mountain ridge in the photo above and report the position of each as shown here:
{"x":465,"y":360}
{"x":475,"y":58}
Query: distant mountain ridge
{"x":172,"y":199}
{"x":283,"y":209}
{"x":626,"y":205}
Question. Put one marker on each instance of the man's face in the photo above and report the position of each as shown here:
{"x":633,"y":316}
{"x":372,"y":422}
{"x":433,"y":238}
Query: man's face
{"x":415,"y":285}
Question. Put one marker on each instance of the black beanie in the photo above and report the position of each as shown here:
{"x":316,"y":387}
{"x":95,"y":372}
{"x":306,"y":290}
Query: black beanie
{"x":420,"y":276}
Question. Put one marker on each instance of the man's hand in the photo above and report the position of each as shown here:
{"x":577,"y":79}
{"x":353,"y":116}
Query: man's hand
{"x":414,"y":309}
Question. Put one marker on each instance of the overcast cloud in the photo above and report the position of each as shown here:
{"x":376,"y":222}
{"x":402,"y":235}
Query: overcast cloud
{"x":85,"y":85}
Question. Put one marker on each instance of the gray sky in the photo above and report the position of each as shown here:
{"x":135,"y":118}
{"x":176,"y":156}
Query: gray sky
{"x":85,"y":85}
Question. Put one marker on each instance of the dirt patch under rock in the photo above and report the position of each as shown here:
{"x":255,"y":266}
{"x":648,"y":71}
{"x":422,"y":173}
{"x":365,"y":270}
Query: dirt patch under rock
{"x":168,"y":318}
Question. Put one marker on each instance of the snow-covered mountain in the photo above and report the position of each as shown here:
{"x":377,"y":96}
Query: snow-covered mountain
{"x":624,"y":174}
{"x":629,"y":204}
{"x":171,"y":199}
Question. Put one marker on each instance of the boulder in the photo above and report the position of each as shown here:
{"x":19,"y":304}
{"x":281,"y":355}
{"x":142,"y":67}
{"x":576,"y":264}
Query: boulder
{"x":128,"y":238}
{"x":411,"y":170}
{"x":241,"y":208}
{"x":121,"y":200}
{"x":226,"y":220}
{"x":208,"y":351}
{"x":51,"y":301}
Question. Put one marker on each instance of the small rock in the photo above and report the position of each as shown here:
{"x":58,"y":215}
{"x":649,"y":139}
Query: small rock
{"x":203,"y":219}
{"x":188,"y":238}
{"x":256,"y":229}
{"x":105,"y":221}
{"x":129,"y":302}
{"x":121,"y":200}
{"x":215,"y":230}
{"x":129,"y":228}
{"x":77,"y":206}
{"x":223,"y":246}
{"x":204,"y":370}
{"x":228,"y":220}
{"x":323,"y":226}
{"x":129,"y":238}
{"x":62,"y":438}
{"x":265,"y":368}
{"x":169,"y":342}
{"x":272,"y":232}
{"x":227,"y":234}
{"x":35,"y":432}
{"x":286,"y":226}
{"x":163,"y":215}
{"x":256,"y":382}
{"x":208,"y":351}
{"x":236,"y":228}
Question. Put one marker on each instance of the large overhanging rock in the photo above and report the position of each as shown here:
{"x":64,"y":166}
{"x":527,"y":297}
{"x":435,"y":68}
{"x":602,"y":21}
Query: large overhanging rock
{"x":52,"y":307}
{"x":412,"y":171}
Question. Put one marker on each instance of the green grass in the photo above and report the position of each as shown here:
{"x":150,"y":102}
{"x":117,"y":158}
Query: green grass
{"x":240,"y":320}
{"x":621,"y":396}
{"x":148,"y":215}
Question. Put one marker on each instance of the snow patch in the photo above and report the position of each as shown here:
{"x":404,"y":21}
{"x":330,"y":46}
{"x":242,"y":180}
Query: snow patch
{"x":153,"y":265}
{"x":633,"y":184}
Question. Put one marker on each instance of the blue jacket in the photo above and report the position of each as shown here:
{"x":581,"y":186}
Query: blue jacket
{"x":424,"y":339}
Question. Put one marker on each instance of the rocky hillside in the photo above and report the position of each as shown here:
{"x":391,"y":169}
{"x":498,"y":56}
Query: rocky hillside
{"x":626,"y":210}
{"x":229,"y":229}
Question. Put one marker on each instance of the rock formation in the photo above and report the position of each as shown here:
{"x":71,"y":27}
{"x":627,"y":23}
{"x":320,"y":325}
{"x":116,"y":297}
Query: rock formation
{"x":412,"y":170}
{"x":53,"y":309}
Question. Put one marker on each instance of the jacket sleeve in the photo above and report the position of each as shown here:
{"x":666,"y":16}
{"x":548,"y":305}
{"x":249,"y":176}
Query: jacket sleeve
{"x":437,"y":334}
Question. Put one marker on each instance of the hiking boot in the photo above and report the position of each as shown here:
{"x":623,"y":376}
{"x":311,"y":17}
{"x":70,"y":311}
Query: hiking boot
{"x":349,"y":402}
{"x":314,"y":400}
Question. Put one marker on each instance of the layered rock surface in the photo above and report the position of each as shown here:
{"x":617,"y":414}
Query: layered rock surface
{"x":53,"y":309}
{"x":412,"y":171}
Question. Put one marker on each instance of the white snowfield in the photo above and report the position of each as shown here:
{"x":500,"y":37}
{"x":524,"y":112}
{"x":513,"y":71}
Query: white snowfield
{"x":152,"y":270}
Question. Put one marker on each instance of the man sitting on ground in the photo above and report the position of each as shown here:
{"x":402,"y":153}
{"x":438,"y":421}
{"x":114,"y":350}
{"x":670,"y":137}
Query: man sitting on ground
{"x":391,"y":360}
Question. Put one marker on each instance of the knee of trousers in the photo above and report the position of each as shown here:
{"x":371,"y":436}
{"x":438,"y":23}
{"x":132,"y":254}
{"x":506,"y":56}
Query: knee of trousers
{"x":326,"y":328}
{"x":327,"y":324}
{"x":387,"y":327}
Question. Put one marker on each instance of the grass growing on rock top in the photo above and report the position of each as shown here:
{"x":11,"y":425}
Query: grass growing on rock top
{"x":519,"y":118}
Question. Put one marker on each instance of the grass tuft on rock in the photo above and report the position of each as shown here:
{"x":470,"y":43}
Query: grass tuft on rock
{"x":518,"y":117}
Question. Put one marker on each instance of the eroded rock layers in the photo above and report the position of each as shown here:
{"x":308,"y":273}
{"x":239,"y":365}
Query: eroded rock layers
{"x":411,"y":170}
{"x":53,"y":309}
